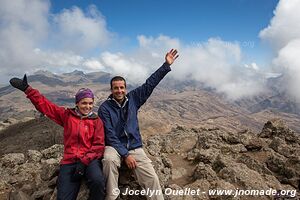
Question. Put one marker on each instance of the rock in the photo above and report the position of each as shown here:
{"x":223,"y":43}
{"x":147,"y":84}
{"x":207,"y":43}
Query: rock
{"x":42,"y":194}
{"x":166,"y":161}
{"x":18,"y":195}
{"x":230,"y":138}
{"x":276,"y":163}
{"x":204,"y":171}
{"x":49,"y":171}
{"x":51,"y":161}
{"x":254,"y":164}
{"x":251,"y":141}
{"x":34,"y":156}
{"x":277,"y":127}
{"x":153,"y":146}
{"x":192,"y":154}
{"x":207,"y":155}
{"x":279,"y":145}
{"x":167,"y":146}
{"x":5,"y":190}
{"x":220,"y":160}
{"x":12,"y":159}
{"x":163,"y":173}
{"x":55,"y":151}
{"x":240,"y":174}
{"x":28,"y":189}
{"x":236,"y":148}
{"x":272,"y":181}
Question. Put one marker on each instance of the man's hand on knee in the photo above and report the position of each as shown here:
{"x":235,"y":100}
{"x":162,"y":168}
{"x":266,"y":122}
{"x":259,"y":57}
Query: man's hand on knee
{"x":130,"y":162}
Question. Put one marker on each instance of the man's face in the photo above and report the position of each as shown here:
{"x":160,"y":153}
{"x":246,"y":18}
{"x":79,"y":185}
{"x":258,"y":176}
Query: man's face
{"x":118,"y":90}
{"x":85,"y":105}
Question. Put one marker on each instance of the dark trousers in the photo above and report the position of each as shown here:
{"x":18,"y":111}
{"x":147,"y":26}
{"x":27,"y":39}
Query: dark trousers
{"x":67,"y":189}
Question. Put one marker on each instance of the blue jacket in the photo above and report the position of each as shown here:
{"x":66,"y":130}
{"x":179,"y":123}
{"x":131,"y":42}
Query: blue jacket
{"x":121,"y":122}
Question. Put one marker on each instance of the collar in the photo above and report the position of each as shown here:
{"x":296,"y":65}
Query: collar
{"x":123,"y":104}
{"x":79,"y":114}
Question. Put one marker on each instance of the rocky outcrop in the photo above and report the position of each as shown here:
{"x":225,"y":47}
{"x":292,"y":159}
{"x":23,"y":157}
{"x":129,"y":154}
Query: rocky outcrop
{"x":198,"y":159}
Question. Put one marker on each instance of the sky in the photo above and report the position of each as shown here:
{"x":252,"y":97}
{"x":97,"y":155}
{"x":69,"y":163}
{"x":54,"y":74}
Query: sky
{"x":230,"y":45}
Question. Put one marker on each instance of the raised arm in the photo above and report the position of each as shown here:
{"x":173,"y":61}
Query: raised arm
{"x":142,"y":93}
{"x":40,"y":102}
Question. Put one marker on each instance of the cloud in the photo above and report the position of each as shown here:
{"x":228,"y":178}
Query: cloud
{"x":288,"y":59}
{"x":284,"y":26}
{"x":283,"y":34}
{"x":123,"y":65}
{"x":78,"y":31}
{"x":33,"y":38}
{"x":216,"y":63}
{"x":23,"y":25}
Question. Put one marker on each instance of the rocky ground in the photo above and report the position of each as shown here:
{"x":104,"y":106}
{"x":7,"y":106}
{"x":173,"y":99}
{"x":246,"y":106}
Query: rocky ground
{"x":185,"y":158}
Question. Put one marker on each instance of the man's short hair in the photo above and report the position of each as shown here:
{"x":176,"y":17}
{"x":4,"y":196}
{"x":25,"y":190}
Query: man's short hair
{"x":117,"y":78}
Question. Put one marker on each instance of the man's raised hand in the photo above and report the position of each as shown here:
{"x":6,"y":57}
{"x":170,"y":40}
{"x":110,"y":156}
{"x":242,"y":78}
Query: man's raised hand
{"x":171,"y":56}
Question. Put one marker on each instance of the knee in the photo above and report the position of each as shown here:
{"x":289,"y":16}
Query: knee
{"x":110,"y":160}
{"x":98,"y":182}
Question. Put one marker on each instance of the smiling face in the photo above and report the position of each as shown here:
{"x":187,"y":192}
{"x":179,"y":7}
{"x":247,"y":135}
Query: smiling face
{"x":118,"y":90}
{"x":85,"y":105}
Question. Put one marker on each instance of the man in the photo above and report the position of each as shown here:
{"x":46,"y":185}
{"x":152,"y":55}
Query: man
{"x":123,"y":138}
{"x":83,"y":141}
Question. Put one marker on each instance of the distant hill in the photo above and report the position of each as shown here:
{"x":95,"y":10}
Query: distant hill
{"x":172,"y":103}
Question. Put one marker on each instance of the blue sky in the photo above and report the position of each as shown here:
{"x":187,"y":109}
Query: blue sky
{"x":229,"y":45}
{"x":191,"y":21}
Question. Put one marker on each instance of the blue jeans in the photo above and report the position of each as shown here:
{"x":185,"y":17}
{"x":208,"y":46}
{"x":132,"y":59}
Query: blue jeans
{"x":67,"y":189}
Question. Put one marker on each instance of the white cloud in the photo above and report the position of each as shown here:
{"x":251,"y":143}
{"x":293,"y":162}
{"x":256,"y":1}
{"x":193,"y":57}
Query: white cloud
{"x":123,"y":65}
{"x":288,"y":58}
{"x":93,"y":65}
{"x":283,"y":34}
{"x":33,"y":38}
{"x":253,"y":66}
{"x":23,"y":25}
{"x":79,"y":32}
{"x":284,"y":26}
{"x":216,"y":63}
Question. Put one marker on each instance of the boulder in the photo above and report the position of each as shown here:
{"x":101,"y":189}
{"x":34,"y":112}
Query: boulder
{"x":12,"y":159}
{"x":204,"y":171}
{"x":55,"y":151}
{"x":34,"y":156}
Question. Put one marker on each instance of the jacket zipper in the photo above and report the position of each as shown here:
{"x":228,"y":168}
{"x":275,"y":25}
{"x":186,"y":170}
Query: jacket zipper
{"x":121,"y":107}
{"x":127,"y":139}
{"x":78,"y":138}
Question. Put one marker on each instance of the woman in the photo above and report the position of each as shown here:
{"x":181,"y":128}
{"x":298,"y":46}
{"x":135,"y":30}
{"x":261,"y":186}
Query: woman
{"x":83,"y":141}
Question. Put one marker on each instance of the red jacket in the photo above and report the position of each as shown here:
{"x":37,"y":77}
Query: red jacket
{"x":83,"y":137}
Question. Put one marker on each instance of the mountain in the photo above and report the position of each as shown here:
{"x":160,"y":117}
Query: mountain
{"x":172,"y":103}
{"x":274,"y":98}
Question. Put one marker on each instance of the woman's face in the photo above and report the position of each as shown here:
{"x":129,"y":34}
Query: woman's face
{"x":85,"y":105}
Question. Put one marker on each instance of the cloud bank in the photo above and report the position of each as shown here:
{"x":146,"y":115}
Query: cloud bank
{"x":283,"y":34}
